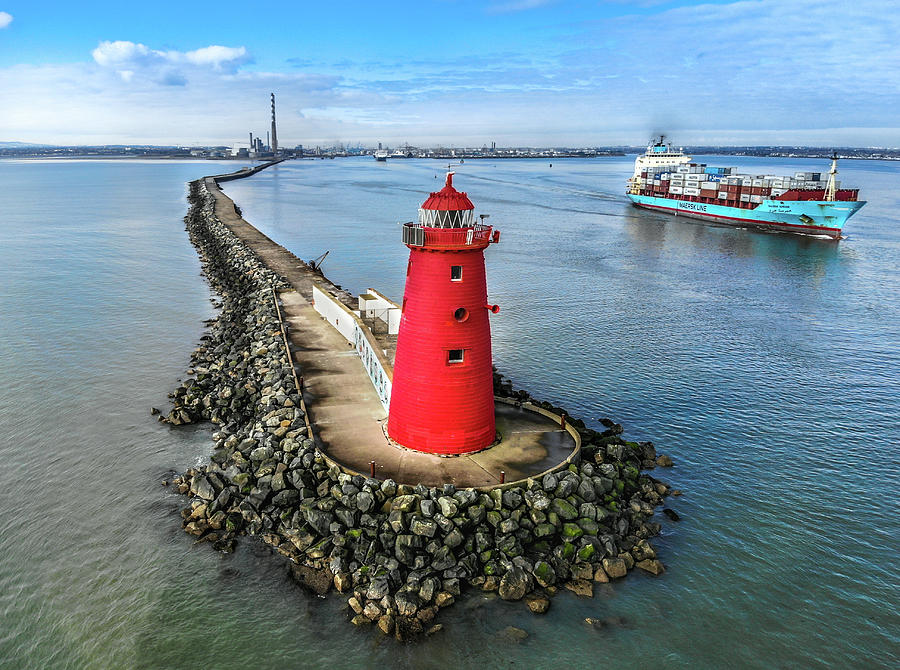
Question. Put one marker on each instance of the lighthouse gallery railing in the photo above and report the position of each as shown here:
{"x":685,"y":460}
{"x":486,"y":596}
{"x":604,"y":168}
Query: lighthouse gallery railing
{"x":416,"y":235}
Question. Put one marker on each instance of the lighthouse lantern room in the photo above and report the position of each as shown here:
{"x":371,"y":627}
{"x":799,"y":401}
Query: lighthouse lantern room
{"x":442,"y":399}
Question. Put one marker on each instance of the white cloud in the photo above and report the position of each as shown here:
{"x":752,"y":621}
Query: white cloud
{"x":114,"y":54}
{"x":5,"y":19}
{"x":215,"y":55}
{"x":126,"y":56}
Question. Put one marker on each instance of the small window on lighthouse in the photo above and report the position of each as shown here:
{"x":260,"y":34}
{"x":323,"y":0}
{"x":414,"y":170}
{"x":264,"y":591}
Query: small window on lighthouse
{"x":455,"y":356}
{"x":456,"y":273}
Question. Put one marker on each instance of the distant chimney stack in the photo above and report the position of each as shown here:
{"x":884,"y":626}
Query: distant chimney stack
{"x":274,"y":134}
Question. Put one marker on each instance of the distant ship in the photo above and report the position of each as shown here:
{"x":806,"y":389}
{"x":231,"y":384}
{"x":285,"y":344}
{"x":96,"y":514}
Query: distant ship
{"x":666,"y":180}
{"x":381,"y":155}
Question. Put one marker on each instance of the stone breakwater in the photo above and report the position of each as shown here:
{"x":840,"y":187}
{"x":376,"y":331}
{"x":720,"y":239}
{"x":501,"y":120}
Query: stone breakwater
{"x":399,"y":553}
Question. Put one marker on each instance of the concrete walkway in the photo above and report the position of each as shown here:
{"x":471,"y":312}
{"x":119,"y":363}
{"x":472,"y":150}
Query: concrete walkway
{"x":345,"y":411}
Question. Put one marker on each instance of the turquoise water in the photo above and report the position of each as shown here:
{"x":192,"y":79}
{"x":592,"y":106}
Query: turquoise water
{"x":767,"y":366}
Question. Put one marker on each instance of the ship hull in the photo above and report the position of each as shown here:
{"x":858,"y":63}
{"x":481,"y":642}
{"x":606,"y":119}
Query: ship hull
{"x":826,"y":218}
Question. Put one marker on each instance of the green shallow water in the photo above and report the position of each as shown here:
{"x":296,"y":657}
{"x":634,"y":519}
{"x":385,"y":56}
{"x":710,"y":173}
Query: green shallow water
{"x":767,"y":366}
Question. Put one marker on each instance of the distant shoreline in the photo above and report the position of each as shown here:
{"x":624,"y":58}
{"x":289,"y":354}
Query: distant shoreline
{"x":825,"y":155}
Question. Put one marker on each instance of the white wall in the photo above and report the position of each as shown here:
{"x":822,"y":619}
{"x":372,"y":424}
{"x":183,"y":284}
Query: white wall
{"x":337,"y":313}
{"x":380,"y":379}
{"x":381,"y":308}
{"x":348,"y":324}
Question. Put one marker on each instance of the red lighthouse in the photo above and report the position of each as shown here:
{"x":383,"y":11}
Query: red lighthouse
{"x":442,"y":399}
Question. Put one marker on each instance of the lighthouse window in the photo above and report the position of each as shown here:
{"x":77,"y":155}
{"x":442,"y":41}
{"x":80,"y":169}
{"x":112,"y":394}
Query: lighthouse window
{"x":455,"y":356}
{"x":456,"y":273}
{"x":461,"y":314}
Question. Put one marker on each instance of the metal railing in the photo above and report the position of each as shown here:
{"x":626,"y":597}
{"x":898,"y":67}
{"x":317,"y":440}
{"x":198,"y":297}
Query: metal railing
{"x":416,"y":235}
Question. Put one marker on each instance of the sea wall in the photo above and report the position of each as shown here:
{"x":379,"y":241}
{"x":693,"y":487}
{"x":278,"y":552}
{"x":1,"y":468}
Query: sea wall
{"x":247,"y":172}
{"x":398,"y":552}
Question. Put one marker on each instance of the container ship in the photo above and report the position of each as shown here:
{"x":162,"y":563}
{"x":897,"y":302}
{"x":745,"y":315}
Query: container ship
{"x":810,"y":203}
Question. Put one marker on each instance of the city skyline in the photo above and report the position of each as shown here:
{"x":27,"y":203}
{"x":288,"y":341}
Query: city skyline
{"x":521,"y":73}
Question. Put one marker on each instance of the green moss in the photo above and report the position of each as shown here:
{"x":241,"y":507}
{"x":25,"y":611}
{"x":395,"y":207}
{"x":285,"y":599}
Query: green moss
{"x":564,"y":508}
{"x":544,"y":572}
{"x":544,"y":530}
{"x":586,"y":553}
{"x":589,"y":526}
{"x":572,"y":531}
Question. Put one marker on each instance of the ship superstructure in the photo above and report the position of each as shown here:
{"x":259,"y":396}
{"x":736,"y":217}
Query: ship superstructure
{"x":812,"y":203}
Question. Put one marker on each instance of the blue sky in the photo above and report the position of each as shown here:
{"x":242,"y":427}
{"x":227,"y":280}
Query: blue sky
{"x":452,"y":72}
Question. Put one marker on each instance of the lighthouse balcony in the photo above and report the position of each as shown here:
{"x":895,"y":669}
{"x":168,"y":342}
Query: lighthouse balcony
{"x":472,"y":237}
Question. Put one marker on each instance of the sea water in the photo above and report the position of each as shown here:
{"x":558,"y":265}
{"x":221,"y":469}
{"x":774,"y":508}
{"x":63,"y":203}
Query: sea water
{"x":766,"y":365}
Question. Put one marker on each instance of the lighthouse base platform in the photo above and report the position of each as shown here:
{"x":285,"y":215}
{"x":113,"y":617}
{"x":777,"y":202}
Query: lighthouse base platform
{"x":531,"y":442}
{"x":350,"y":420}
